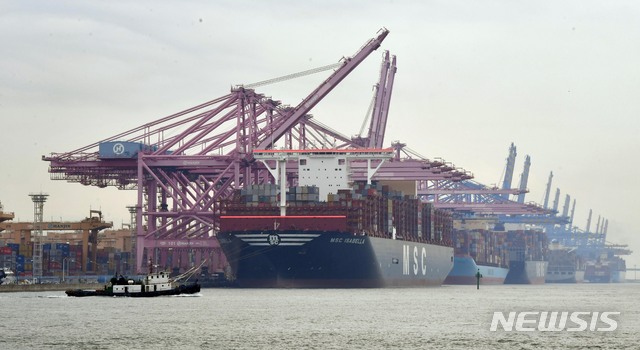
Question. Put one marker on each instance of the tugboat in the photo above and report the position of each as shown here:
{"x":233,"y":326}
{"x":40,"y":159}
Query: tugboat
{"x":153,"y":285}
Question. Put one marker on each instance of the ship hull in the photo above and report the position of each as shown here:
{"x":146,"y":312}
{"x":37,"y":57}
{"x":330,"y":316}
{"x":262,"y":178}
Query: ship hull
{"x":465,"y":269}
{"x":182,"y":289}
{"x":598,"y":273}
{"x":307,"y":259}
{"x":526,"y":272}
{"x":619,"y":277}
{"x":564,"y":276}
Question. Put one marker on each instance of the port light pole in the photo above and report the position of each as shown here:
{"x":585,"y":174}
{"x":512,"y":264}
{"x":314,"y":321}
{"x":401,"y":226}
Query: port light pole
{"x":66,"y":261}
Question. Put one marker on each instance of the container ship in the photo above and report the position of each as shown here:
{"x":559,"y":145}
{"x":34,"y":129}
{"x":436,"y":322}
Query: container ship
{"x":619,"y":271}
{"x":527,"y":257}
{"x":598,"y":272}
{"x":606,"y":269}
{"x":478,"y":251}
{"x":362,"y":234}
{"x":565,"y":265}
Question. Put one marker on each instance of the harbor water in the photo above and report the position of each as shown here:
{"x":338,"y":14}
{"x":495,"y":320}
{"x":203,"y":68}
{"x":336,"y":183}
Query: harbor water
{"x":446,"y":317}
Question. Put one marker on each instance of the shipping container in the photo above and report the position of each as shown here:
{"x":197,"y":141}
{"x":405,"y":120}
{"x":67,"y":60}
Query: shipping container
{"x":14,"y":246}
{"x":122,"y":149}
{"x":20,"y":263}
{"x":370,"y":209}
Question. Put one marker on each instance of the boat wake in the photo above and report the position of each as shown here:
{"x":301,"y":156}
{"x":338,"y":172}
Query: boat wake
{"x":195,"y":295}
{"x":52,"y":296}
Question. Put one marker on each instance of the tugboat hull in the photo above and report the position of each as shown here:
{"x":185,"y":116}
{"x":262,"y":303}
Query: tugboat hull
{"x":182,"y":289}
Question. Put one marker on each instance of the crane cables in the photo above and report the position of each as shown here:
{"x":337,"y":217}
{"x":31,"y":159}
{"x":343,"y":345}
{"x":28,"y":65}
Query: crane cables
{"x":293,"y":76}
{"x":369,"y":111}
{"x":189,"y":273}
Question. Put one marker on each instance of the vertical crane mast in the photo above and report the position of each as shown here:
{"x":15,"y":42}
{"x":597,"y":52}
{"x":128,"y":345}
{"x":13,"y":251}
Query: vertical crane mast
{"x":589,"y":221}
{"x":603,"y":231}
{"x":546,"y":194}
{"x":556,"y":200}
{"x":384,"y":109}
{"x":524,"y":179}
{"x":387,"y":101}
{"x":375,"y":115}
{"x":321,"y":91}
{"x":508,"y":173}
{"x":565,"y":208}
{"x":573,"y":211}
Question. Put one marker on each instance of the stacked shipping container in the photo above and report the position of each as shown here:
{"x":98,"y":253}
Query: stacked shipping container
{"x":55,"y":258}
{"x":527,"y":245}
{"x":486,"y":247}
{"x":369,"y":209}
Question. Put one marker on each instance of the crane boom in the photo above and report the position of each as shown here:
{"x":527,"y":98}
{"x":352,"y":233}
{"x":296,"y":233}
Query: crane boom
{"x":375,"y":116}
{"x":556,"y":200}
{"x":524,"y":179}
{"x":508,"y":173}
{"x":546,"y":194}
{"x":565,"y":208}
{"x":321,"y":91}
{"x":384,"y":112}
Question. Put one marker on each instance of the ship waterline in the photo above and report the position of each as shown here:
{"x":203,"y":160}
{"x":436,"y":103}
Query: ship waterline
{"x":465,"y":269}
{"x":294,"y":259}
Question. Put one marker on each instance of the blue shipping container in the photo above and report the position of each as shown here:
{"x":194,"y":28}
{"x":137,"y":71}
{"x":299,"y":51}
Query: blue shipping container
{"x":20,"y":263}
{"x":120,"y":149}
{"x":14,"y":246}
{"x":63,"y":248}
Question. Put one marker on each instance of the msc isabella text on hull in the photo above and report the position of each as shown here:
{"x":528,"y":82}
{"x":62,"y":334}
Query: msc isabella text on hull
{"x":362,"y":234}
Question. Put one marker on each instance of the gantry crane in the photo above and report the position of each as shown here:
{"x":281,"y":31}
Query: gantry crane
{"x":472,"y":197}
{"x":22,"y":233}
{"x":180,"y":178}
{"x":182,"y":165}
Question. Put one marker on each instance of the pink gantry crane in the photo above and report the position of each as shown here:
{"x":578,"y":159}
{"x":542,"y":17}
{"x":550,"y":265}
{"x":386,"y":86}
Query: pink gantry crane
{"x":182,"y":165}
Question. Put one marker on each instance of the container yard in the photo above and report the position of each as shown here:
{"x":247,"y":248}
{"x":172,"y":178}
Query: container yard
{"x":335,"y":171}
{"x":205,"y":182}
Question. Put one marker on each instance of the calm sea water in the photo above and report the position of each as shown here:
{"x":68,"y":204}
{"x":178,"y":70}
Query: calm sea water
{"x":419,"y":318}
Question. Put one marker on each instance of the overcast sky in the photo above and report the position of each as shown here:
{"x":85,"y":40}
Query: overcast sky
{"x":559,"y":79}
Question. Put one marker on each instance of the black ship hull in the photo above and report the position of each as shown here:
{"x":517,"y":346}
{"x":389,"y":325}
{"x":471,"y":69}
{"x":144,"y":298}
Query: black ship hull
{"x":526,"y":272}
{"x":305,"y":259}
{"x":107,"y":292}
